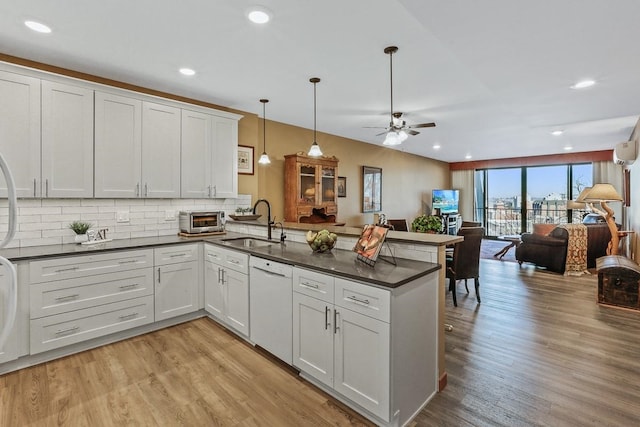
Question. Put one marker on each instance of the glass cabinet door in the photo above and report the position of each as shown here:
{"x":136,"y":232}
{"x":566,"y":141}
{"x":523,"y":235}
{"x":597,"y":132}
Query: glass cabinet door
{"x":328,"y":184}
{"x":307,"y":184}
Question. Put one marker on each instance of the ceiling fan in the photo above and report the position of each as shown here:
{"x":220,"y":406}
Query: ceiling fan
{"x":398,"y":129}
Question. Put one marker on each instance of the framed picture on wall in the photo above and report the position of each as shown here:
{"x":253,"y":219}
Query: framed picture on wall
{"x":245,"y":160}
{"x":342,"y":186}
{"x":371,"y":189}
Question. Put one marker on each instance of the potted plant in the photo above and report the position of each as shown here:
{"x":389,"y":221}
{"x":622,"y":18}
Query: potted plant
{"x":80,"y":228}
{"x":427,"y":224}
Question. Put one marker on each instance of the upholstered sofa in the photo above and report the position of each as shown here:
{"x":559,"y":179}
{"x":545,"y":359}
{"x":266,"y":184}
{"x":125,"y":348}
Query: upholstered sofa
{"x":550,"y":251}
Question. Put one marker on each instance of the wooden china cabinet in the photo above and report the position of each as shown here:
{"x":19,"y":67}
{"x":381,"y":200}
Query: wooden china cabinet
{"x":309,"y":182}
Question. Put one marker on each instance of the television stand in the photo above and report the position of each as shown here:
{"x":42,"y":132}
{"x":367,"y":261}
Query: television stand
{"x":452,"y":222}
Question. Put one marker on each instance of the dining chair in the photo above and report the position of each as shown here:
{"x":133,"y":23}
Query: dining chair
{"x":465,"y":261}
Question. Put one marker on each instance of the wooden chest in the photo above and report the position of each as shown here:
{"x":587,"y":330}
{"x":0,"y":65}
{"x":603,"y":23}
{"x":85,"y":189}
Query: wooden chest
{"x":618,"y":281}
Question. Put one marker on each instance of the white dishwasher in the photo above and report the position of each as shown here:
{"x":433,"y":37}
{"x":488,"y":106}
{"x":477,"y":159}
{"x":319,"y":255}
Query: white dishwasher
{"x":270,"y":307}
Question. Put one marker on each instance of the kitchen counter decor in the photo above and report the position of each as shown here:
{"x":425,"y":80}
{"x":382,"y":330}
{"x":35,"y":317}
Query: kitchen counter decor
{"x":244,"y":217}
{"x":322,"y":241}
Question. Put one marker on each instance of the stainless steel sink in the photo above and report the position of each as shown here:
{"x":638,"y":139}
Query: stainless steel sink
{"x":249,"y":242}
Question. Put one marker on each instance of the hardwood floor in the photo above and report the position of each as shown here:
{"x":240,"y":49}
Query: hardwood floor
{"x":537,"y":351}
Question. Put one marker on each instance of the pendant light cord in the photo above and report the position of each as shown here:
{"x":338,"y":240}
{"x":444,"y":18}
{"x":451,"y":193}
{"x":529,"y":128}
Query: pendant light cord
{"x":264,"y":126}
{"x":314,"y":112}
{"x":391,"y":83}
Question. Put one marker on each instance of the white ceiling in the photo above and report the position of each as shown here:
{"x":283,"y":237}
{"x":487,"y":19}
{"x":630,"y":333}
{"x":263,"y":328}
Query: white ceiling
{"x":495,"y":75}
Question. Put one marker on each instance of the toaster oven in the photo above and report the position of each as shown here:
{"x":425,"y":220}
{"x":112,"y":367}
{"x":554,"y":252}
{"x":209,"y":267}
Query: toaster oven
{"x":195,"y":222}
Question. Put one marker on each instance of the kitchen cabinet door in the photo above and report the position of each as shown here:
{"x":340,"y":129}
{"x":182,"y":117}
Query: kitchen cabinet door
{"x":20,"y":132}
{"x":10,"y":349}
{"x":225,"y":158}
{"x":213,"y":290}
{"x":67,"y":140}
{"x":197,"y":148}
{"x":313,"y":337}
{"x":362,"y":358}
{"x":160,"y":151}
{"x":176,"y":289}
{"x":118,"y":146}
{"x":236,"y":300}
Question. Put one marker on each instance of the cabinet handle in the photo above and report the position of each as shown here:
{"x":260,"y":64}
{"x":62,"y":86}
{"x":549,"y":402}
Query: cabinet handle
{"x":126,"y":287}
{"x":177,"y":255}
{"x":34,"y":187}
{"x":215,"y":190}
{"x":138,"y":190}
{"x":62,"y":270}
{"x":46,"y":187}
{"x":359,"y":301}
{"x":67,"y":297}
{"x":326,"y":317}
{"x":335,"y":321}
{"x":158,"y":274}
{"x":310,"y":285}
{"x":67,"y":331}
{"x":146,"y":190}
{"x":130,"y":261}
{"x":128,"y":316}
{"x":209,"y":191}
{"x":233,"y":261}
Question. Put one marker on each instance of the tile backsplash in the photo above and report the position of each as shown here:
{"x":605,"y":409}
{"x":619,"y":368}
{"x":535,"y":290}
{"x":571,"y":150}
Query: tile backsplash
{"x":46,"y":221}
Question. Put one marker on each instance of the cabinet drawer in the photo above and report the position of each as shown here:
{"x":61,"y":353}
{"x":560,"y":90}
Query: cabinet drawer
{"x":233,"y":260}
{"x":331,"y":209}
{"x":56,"y":331}
{"x":174,"y":254}
{"x":87,"y":265}
{"x":314,"y":284}
{"x":361,"y":298}
{"x":51,"y":298}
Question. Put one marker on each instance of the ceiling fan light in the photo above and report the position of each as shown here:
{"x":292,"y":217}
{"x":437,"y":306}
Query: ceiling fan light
{"x":264,"y":159}
{"x":315,"y":151}
{"x":402,"y":136}
{"x":392,"y":138}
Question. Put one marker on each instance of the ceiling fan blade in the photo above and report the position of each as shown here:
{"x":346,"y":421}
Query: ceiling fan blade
{"x":422,"y":125}
{"x":413,"y":132}
{"x":382,"y":133}
{"x":375,"y":127}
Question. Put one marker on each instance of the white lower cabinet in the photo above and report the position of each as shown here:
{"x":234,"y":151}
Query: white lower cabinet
{"x":77,"y":298}
{"x":343,"y":349}
{"x":226,"y":287}
{"x":176,"y":281}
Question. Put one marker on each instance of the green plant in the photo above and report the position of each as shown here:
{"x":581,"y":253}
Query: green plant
{"x":427,"y":223}
{"x":80,"y":227}
{"x":244,"y":210}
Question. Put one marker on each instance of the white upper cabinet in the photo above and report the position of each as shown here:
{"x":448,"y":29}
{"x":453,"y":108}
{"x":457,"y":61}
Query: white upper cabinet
{"x":20,"y":132}
{"x":118,"y":145}
{"x":209,"y":155}
{"x":160,"y":151}
{"x":67,"y":140}
{"x":197,"y":145}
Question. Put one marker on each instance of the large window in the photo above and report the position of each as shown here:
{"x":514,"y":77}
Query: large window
{"x":510,"y":200}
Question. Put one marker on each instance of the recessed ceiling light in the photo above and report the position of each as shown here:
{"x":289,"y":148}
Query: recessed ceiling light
{"x":259,"y":14}
{"x":468,"y":156}
{"x":187,"y":71}
{"x":557,"y":132}
{"x":568,"y":147}
{"x":38,"y":27}
{"x":436,"y":146}
{"x":583,"y":84}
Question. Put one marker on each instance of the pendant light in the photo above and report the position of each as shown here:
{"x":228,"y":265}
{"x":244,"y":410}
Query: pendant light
{"x":314,"y":151}
{"x":264,"y":158}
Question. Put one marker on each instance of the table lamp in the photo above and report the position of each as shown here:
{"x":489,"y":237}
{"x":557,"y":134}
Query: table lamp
{"x":603,"y":193}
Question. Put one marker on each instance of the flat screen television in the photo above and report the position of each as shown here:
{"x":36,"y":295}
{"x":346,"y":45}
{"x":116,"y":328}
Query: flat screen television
{"x":445,"y":200}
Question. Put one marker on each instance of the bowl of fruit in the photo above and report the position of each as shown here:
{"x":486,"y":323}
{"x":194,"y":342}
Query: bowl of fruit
{"x":321,"y":241}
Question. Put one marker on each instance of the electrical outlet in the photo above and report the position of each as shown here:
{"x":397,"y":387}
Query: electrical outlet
{"x":122,"y":216}
{"x":169,"y":215}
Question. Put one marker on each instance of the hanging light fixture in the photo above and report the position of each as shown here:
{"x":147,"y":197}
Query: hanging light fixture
{"x":264,"y":158}
{"x":314,"y":151}
{"x":392,"y":137}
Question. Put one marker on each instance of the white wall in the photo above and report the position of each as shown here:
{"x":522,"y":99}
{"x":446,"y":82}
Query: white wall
{"x":45,"y":221}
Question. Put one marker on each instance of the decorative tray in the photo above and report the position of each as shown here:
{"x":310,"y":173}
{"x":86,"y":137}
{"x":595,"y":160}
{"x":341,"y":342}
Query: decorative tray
{"x":245,"y":217}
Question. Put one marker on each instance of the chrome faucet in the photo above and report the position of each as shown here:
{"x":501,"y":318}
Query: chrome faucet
{"x":270,"y":222}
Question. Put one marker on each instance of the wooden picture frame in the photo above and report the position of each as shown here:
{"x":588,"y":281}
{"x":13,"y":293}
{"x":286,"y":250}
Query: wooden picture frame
{"x":245,"y":160}
{"x":371,"y":189}
{"x":342,"y":186}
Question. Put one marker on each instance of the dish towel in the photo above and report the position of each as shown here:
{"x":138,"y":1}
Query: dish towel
{"x":576,"y":263}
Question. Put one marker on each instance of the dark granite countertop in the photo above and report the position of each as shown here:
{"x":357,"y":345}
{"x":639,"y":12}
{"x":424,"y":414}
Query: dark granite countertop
{"x":337,"y":262}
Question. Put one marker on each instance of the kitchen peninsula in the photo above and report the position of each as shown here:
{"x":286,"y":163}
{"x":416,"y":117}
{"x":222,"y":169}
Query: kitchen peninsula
{"x":393,"y":305}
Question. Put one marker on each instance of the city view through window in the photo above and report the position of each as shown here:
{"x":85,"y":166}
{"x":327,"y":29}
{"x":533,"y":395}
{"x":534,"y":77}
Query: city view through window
{"x":510,"y":200}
